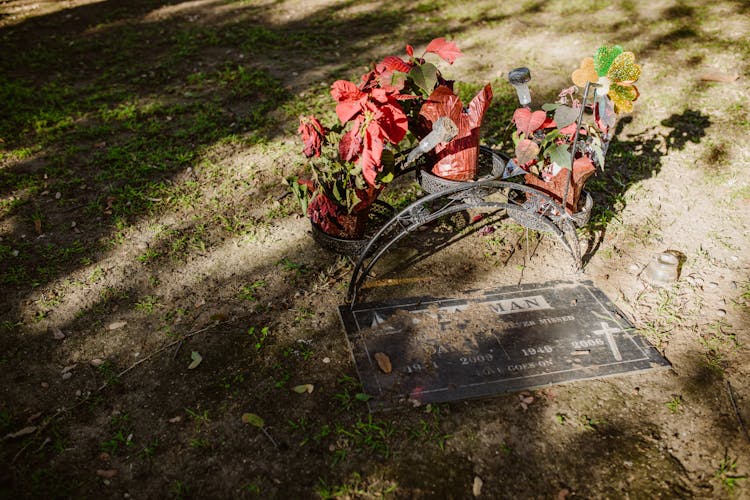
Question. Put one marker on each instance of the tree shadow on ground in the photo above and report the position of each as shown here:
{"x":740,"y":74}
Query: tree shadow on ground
{"x":634,"y":160}
{"x":167,"y":430}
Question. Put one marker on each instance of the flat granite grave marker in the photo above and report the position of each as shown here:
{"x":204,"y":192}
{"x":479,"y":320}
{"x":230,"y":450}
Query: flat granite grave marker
{"x":494,"y":341}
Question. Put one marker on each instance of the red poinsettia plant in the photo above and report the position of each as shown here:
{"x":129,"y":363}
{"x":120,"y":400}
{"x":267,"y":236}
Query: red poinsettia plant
{"x":378,"y":120}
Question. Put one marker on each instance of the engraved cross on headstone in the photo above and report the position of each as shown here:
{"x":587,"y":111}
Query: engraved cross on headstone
{"x":607,"y":332}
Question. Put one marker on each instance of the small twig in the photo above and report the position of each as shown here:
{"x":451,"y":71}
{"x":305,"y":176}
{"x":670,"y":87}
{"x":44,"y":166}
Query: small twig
{"x":269,"y":436}
{"x":103,"y":386}
{"x":178,"y":341}
{"x":737,"y":412}
{"x":176,"y":350}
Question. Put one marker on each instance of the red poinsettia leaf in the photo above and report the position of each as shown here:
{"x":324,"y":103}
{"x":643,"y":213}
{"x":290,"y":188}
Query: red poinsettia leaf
{"x":394,"y":63}
{"x":350,"y":145}
{"x":410,"y":50}
{"x":304,"y":181}
{"x":442,"y":102}
{"x":569,"y":130}
{"x":390,"y":123}
{"x":445,"y":49}
{"x":313,"y":134}
{"x":479,"y":105}
{"x":548,"y":123}
{"x":348,"y":97}
{"x":583,"y":163}
{"x":344,"y":90}
{"x":528,"y":122}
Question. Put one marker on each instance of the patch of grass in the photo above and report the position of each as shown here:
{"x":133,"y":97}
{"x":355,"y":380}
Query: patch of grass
{"x":149,"y":255}
{"x":109,"y":373}
{"x":349,"y":393}
{"x":248,"y":292}
{"x":590,"y":423}
{"x":259,"y":337}
{"x":289,"y":265}
{"x":355,"y":487}
{"x":147,"y":304}
{"x":675,"y":404}
{"x":369,"y":436}
{"x":122,"y":436}
{"x":428,"y":429}
{"x":726,"y":473}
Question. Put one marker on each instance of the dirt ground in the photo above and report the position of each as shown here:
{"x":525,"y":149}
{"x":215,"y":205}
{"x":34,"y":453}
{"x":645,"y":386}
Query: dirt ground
{"x":162,"y":298}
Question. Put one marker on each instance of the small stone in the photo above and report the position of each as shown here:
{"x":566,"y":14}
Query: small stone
{"x":57,"y":334}
{"x":735,"y":258}
{"x":58,"y":195}
{"x":175,"y":420}
{"x":104,"y":456}
{"x":476,"y":488}
{"x":73,"y":224}
{"x":78,"y":393}
{"x":721,"y":312}
{"x":44,"y":385}
{"x":713,"y":284}
{"x":66,"y":375}
{"x":326,"y":360}
{"x":96,"y":362}
{"x":116,"y":325}
{"x":633,"y":267}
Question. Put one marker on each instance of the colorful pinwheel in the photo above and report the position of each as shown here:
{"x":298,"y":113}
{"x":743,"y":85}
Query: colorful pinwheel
{"x":615,"y":72}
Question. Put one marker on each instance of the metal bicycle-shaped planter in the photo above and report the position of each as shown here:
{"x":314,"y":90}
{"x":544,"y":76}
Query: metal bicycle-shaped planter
{"x":522,"y":204}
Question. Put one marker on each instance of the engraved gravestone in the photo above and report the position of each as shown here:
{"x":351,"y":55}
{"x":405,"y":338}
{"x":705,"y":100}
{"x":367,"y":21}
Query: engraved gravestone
{"x":494,"y":341}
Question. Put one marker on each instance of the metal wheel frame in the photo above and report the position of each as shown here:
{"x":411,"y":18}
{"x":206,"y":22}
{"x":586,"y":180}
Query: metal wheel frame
{"x":525,"y":205}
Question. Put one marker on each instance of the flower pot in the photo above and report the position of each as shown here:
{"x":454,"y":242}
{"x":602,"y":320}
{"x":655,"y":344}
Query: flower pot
{"x":353,"y":242}
{"x":457,"y":159}
{"x":555,"y":187}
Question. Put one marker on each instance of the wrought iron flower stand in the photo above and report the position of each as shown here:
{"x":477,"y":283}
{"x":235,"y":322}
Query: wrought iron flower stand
{"x":524,"y":205}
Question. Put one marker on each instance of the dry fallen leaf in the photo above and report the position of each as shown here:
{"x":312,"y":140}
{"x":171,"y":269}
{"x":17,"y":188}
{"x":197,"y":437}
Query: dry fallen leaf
{"x":253,"y":419}
{"x":23,"y":432}
{"x":106,"y":474}
{"x":526,"y":400}
{"x":304,"y":388}
{"x":476,"y":489}
{"x":69,"y":368}
{"x":116,"y":325}
{"x":383,"y":361}
{"x":718,"y":76}
{"x":38,"y":226}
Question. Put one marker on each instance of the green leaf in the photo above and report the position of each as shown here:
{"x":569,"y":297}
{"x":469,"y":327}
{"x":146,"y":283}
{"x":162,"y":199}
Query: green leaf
{"x":565,"y":115}
{"x":551,"y":106}
{"x":560,"y":155}
{"x":551,"y":137}
{"x":425,"y":77}
{"x":253,"y":419}
{"x":197,"y":358}
{"x":361,"y":396}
